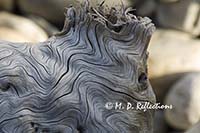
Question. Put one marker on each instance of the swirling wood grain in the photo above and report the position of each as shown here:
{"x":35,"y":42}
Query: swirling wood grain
{"x":61,"y":85}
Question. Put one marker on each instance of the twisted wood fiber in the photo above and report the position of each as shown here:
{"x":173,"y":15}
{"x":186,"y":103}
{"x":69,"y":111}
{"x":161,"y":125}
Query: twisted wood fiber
{"x":61,"y":85}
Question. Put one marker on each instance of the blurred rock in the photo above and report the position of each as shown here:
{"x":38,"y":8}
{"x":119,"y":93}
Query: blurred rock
{"x":172,"y":54}
{"x":185,"y":97}
{"x":19,"y":29}
{"x":6,"y":5}
{"x":145,"y":7}
{"x":168,"y":1}
{"x":160,"y":125}
{"x":161,"y":85}
{"x":182,"y":15}
{"x":53,"y":10}
{"x":195,"y":128}
{"x":48,"y":28}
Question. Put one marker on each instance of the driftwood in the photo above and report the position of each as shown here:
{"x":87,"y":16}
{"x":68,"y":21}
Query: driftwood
{"x":62,"y":85}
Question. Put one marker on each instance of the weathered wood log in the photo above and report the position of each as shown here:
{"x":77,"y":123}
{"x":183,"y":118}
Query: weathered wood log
{"x":62,"y":85}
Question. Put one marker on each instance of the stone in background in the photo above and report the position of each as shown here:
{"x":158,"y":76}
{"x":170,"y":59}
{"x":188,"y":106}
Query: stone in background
{"x":6,"y":5}
{"x":185,"y":97}
{"x":19,"y":29}
{"x":144,"y":7}
{"x":53,"y":10}
{"x":172,"y":55}
{"x":182,"y":15}
{"x":48,"y":28}
{"x":194,"y":129}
